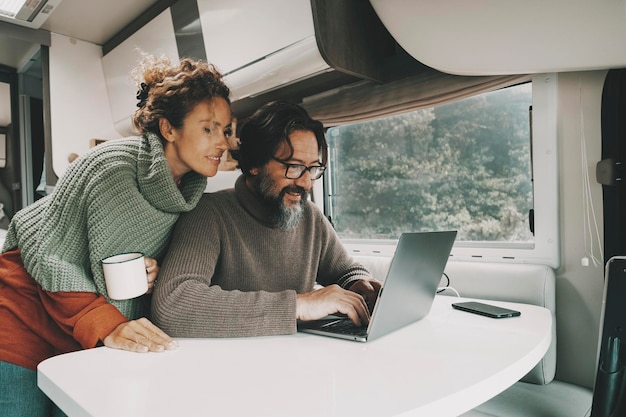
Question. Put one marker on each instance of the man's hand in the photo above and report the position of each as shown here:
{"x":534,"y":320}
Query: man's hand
{"x":139,"y":336}
{"x":368,"y":289}
{"x":333,"y":299}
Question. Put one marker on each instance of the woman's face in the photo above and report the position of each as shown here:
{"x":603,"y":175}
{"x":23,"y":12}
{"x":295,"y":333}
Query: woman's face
{"x":199,"y":144}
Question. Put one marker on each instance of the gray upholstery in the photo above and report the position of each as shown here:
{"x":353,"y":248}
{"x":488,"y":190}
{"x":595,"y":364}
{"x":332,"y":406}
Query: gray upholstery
{"x":557,"y":399}
{"x":536,"y":395}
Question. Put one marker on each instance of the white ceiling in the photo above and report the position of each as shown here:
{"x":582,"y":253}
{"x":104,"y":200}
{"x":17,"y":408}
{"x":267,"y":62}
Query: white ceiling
{"x":93,"y":21}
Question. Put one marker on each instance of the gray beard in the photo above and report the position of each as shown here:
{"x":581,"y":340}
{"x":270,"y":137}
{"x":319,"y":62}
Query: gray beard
{"x":286,"y":218}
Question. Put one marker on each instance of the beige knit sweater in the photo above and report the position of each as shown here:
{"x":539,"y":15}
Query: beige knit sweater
{"x":229,"y":273}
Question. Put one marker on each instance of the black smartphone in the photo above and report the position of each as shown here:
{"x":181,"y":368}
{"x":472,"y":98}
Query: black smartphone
{"x":486,"y":309}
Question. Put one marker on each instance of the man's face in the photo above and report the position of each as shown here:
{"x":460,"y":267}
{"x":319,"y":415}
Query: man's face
{"x":288,"y":195}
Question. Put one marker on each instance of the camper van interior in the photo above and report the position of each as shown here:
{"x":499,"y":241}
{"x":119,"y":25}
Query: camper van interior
{"x":501,"y":120}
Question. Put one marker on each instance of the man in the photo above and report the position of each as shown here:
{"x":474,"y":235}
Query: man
{"x":245,"y":260}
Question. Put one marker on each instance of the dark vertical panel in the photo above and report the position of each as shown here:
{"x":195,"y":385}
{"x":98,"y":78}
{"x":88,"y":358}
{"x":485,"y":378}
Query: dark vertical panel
{"x":614,"y":146}
{"x":609,"y":398}
{"x":37,"y":143}
{"x":608,"y":394}
{"x":188,"y":30}
{"x":51,"y":176}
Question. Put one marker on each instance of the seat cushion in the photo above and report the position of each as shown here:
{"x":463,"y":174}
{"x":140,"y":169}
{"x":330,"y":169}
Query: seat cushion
{"x":556,"y":399}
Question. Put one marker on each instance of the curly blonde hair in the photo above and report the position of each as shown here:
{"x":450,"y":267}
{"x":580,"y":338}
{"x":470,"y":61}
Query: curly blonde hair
{"x":171,"y":91}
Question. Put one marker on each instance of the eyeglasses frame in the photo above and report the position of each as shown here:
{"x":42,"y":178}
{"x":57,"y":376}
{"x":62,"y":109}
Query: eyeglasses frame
{"x":288,"y":166}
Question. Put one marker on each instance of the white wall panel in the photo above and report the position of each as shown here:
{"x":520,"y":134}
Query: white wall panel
{"x":78,"y":99}
{"x":157,"y":38}
{"x":5,"y":104}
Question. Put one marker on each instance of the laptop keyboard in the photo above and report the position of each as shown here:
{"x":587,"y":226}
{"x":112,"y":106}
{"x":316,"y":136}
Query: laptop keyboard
{"x":346,"y":327}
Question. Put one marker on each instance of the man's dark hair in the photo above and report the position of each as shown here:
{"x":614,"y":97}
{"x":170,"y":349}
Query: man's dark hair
{"x":263,"y":133}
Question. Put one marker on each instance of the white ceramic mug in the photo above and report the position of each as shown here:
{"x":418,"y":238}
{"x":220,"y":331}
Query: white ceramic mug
{"x":125,"y":275}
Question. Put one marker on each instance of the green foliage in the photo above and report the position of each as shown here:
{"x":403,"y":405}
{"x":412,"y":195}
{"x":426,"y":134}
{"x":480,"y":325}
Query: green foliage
{"x":462,"y":166}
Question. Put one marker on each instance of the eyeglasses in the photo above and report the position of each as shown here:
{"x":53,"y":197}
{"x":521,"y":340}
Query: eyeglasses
{"x":295,"y":171}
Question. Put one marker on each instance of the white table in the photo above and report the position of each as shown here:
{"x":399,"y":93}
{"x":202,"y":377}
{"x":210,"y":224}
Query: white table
{"x":443,"y":365}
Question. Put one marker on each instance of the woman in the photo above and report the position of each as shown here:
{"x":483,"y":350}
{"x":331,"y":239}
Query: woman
{"x":121,"y":196}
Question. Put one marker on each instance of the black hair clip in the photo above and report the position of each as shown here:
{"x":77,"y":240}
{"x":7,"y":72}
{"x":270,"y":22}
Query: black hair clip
{"x":142,"y":94}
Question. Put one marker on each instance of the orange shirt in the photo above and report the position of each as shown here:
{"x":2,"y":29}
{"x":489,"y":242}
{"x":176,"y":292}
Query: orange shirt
{"x":36,"y":324}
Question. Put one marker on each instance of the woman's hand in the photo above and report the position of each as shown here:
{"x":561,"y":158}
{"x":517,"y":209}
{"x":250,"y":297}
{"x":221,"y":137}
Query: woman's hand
{"x":139,"y":336}
{"x":152,"y":270}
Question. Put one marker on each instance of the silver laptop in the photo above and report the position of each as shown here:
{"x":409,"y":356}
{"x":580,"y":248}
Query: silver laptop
{"x":408,"y":291}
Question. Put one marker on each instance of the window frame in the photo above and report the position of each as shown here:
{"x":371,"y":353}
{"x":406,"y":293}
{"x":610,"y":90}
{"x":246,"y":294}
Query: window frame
{"x":544,"y":153}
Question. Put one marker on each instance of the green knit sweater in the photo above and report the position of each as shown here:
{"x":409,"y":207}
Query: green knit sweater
{"x":118,"y":197}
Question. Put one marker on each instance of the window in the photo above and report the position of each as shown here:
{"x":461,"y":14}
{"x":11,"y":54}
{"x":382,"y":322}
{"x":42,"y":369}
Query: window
{"x":462,"y":166}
